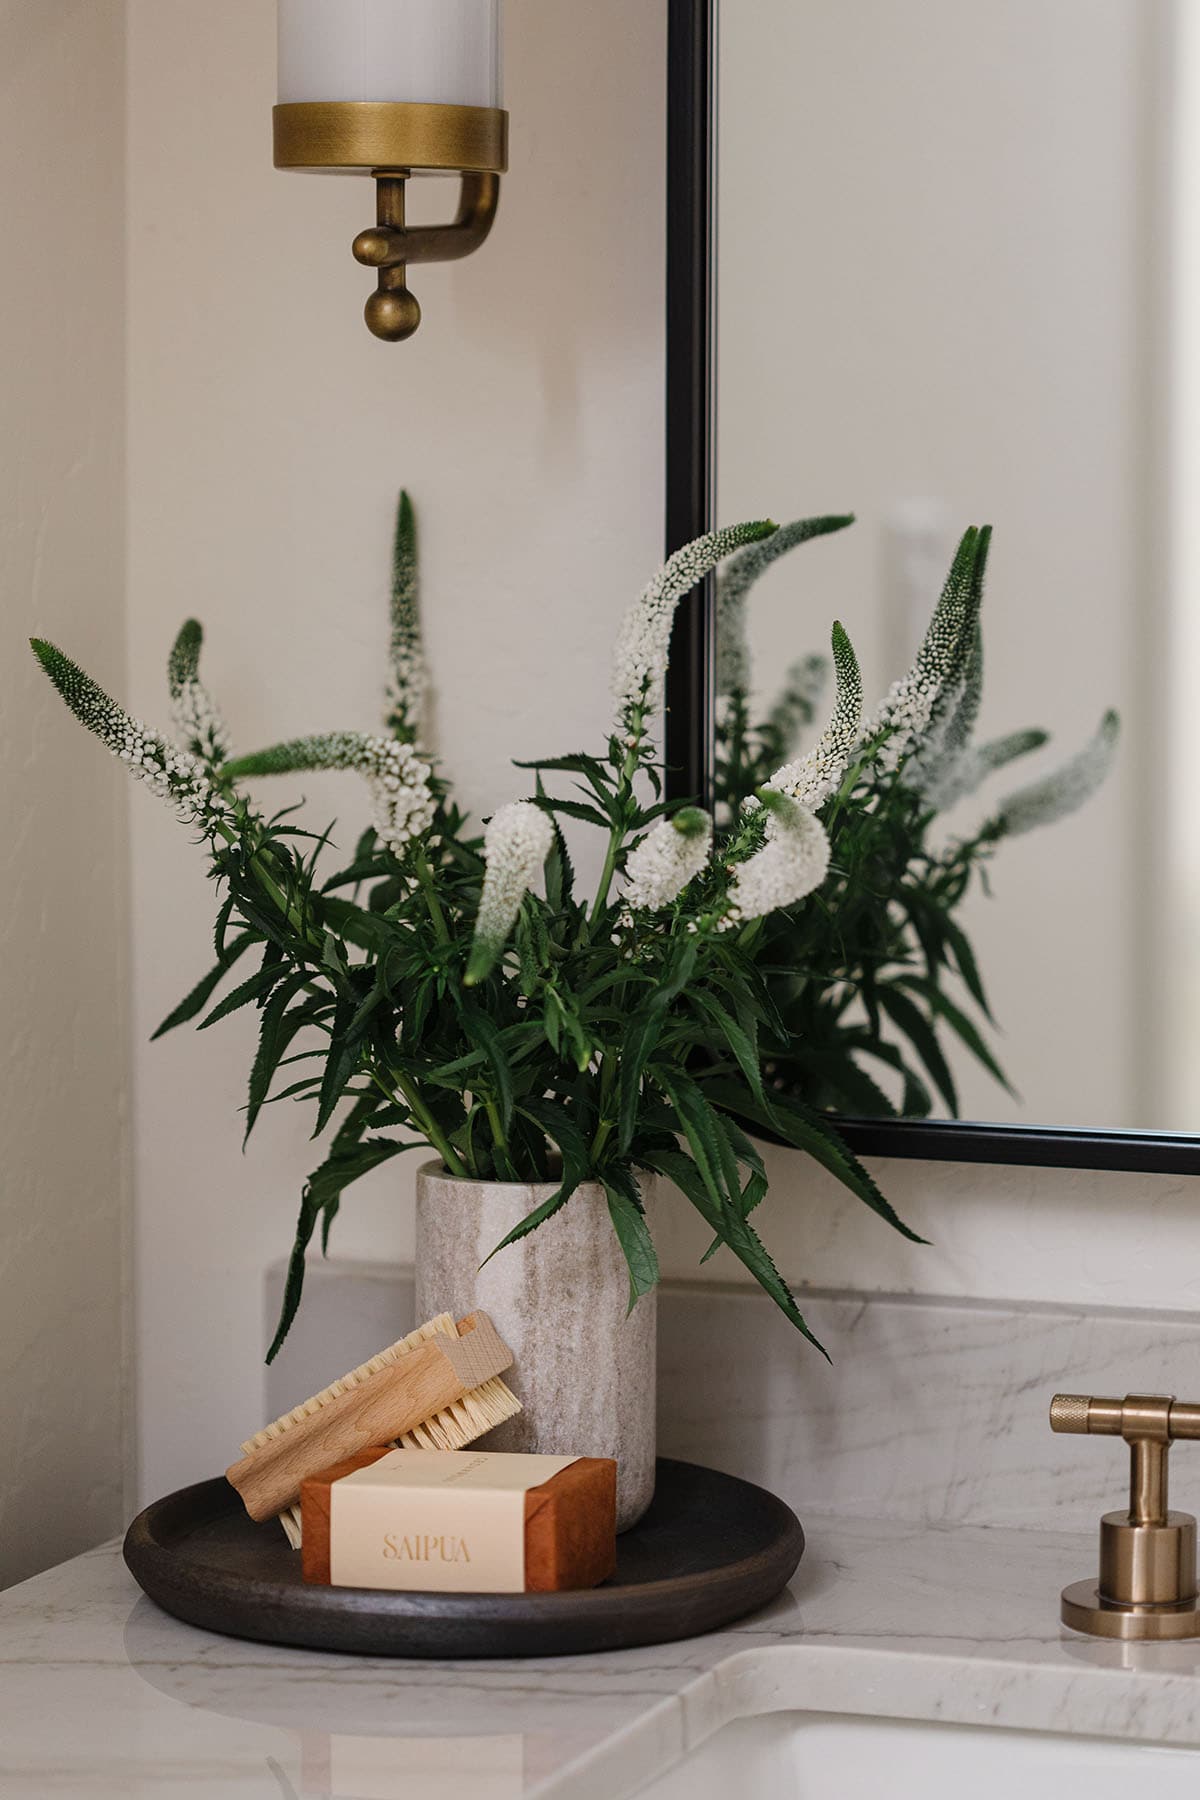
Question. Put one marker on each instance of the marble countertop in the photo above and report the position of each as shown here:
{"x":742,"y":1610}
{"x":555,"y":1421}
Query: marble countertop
{"x":105,"y":1698}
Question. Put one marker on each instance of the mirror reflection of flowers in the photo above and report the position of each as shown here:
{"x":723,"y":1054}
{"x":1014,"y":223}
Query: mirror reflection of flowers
{"x":870,"y":978}
{"x":433,"y":989}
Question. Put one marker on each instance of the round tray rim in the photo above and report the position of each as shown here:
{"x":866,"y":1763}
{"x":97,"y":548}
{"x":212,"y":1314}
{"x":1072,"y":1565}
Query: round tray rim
{"x":314,"y":1616}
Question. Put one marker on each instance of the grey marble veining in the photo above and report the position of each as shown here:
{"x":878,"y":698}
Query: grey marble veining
{"x":930,"y":1410}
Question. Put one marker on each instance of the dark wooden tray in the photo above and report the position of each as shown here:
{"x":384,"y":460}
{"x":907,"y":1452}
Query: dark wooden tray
{"x":710,"y":1550}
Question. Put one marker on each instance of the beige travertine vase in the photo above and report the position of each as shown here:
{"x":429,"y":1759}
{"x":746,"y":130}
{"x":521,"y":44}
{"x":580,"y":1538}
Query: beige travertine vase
{"x":585,"y":1368}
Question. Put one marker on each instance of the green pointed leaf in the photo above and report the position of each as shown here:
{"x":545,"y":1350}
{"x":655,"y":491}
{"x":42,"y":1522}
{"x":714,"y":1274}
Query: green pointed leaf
{"x":533,"y":1219}
{"x":959,"y":1022}
{"x":573,"y":809}
{"x":633,"y":1233}
{"x":905,"y":1014}
{"x":278,"y":1030}
{"x":559,"y":873}
{"x":561,"y":1129}
{"x":322,"y":1195}
{"x":643,"y":1033}
{"x":203,"y":991}
{"x":789,"y":1121}
{"x":637,"y":1045}
{"x":741,"y":1239}
{"x":259,"y":984}
{"x":739,"y":1040}
{"x":340,"y":1066}
{"x":968,"y":968}
{"x":482,"y":1031}
{"x":293,"y":1286}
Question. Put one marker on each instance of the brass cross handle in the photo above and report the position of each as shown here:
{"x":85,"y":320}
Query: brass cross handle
{"x":1147,"y":1585}
{"x":1149,"y":1423}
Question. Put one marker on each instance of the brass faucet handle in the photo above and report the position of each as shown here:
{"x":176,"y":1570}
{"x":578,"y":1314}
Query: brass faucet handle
{"x":1147,"y":1586}
{"x":1138,"y":1418}
{"x":1070,"y":1412}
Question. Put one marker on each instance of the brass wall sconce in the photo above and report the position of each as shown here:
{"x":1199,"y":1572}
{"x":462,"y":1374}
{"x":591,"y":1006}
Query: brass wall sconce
{"x":350,"y":73}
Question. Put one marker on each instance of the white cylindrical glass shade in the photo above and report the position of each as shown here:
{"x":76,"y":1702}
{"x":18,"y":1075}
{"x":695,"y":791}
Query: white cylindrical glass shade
{"x":439,"y":52}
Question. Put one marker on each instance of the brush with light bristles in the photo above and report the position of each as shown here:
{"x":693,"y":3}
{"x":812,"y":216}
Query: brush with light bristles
{"x":437,"y":1389}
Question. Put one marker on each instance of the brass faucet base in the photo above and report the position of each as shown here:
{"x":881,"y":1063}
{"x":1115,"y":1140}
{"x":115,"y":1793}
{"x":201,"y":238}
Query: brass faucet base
{"x":1084,"y":1610}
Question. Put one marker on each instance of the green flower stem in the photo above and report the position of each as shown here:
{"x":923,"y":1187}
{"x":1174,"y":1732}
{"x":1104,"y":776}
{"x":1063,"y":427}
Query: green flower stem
{"x":437,"y":1138}
{"x":270,"y":887}
{"x":604,"y":1124}
{"x":616,"y":836}
{"x":606,"y":874}
{"x":424,"y":875}
{"x":499,"y":1139}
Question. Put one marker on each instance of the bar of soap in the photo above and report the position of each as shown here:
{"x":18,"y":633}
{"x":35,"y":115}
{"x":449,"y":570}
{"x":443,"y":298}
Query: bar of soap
{"x":468,"y":1521}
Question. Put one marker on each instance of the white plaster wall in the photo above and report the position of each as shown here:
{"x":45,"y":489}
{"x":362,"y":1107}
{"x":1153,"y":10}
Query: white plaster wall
{"x":64,"y":1441}
{"x":268,"y":436}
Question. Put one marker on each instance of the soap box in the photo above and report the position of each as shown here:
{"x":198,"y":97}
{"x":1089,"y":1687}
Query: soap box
{"x":467,"y":1521}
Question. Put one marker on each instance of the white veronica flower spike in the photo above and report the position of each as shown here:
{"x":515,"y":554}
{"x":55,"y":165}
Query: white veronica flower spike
{"x":791,"y":864}
{"x":667,"y":859}
{"x":199,"y":727}
{"x":643,"y":642}
{"x":929,"y":686}
{"x":400,"y":783}
{"x":812,"y":778}
{"x":516,"y":842}
{"x":409,"y":677}
{"x":1043,"y":802}
{"x":735,"y":582}
{"x":174,"y":775}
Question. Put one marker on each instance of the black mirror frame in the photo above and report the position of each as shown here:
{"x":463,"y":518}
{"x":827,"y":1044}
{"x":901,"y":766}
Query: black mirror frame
{"x":691,"y":692}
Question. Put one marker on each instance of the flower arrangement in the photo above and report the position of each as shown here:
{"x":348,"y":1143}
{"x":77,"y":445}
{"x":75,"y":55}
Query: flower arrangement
{"x":869,"y":975}
{"x":437,"y":990}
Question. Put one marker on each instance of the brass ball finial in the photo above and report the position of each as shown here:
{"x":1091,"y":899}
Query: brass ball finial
{"x":393,"y":314}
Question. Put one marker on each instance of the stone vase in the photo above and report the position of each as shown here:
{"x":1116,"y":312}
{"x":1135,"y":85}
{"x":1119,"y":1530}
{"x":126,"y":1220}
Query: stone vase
{"x":585,"y":1368}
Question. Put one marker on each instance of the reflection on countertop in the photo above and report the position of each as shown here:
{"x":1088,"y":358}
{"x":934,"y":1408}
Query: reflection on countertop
{"x":103,"y":1696}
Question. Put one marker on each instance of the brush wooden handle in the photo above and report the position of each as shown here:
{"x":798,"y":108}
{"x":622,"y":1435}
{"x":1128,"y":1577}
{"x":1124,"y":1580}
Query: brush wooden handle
{"x":395,"y":1399}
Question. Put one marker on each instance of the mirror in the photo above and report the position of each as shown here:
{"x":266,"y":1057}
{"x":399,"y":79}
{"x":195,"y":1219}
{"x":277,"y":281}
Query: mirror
{"x":953,"y":282}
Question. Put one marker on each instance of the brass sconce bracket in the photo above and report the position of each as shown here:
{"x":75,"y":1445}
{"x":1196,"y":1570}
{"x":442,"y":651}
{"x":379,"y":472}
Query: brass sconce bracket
{"x":392,"y":312}
{"x":1147,"y":1583}
{"x":392,"y":141}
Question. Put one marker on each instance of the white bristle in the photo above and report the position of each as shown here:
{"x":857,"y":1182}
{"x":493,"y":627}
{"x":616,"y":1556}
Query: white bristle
{"x":460,"y":1423}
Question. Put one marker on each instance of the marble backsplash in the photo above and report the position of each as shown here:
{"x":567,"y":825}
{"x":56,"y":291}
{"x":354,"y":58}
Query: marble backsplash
{"x":931,"y":1410}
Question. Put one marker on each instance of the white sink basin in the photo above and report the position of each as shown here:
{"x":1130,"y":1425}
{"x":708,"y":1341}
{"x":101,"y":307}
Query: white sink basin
{"x":817,"y":1756}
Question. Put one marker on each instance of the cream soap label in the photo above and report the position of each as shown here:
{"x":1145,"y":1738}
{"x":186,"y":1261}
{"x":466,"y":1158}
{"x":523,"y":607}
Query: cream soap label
{"x":438,"y":1520}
